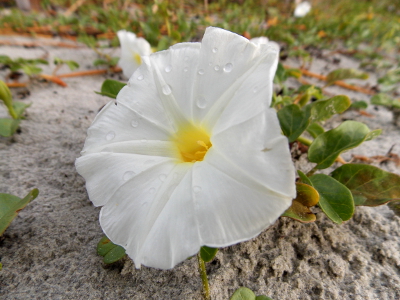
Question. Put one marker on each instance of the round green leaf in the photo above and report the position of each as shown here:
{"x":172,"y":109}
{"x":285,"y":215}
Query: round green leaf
{"x":385,"y":100}
{"x":315,"y":129}
{"x":323,"y":110}
{"x":342,"y":74}
{"x":114,"y":255}
{"x":293,"y":121}
{"x":104,"y":246}
{"x":327,"y":146}
{"x":369,"y":185}
{"x":208,"y":253}
{"x":10,"y":206}
{"x":262,"y":297}
{"x":335,"y":199}
{"x":243,"y":293}
{"x":111,"y":88}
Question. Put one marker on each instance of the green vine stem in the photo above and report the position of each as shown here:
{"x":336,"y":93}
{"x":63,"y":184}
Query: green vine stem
{"x":304,"y":140}
{"x":204,"y":280}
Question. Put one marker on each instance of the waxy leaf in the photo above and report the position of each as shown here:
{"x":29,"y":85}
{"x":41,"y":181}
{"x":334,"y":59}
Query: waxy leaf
{"x":315,"y":129}
{"x":8,"y":127}
{"x":335,"y":199}
{"x":243,"y":293}
{"x":10,"y":206}
{"x":293,"y":121}
{"x":208,"y":253}
{"x":385,"y":100}
{"x":109,"y":250}
{"x":359,"y":105}
{"x":327,"y":146}
{"x":342,"y":74}
{"x":304,"y":178}
{"x":306,"y":197}
{"x":369,"y":185}
{"x":111,"y":88}
{"x":323,"y":110}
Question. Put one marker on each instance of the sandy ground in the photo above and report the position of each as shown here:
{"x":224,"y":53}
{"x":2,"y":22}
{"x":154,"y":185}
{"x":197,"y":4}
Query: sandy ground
{"x":49,"y":251}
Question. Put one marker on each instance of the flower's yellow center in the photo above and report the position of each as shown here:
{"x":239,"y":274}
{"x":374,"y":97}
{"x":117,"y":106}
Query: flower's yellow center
{"x":137,"y":58}
{"x":192,"y":142}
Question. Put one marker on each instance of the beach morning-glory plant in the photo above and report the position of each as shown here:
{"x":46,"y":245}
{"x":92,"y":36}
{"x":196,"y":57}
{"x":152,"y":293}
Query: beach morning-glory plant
{"x":132,"y":50}
{"x":190,"y":154}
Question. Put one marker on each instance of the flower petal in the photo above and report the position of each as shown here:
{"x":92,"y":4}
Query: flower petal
{"x":232,"y":206}
{"x":160,"y":229}
{"x":257,"y":147}
{"x":226,"y":61}
{"x":106,"y":172}
{"x":132,"y":48}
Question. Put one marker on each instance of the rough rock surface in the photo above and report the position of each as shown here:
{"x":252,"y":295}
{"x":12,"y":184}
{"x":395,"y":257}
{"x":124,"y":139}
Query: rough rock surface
{"x":49,"y":251}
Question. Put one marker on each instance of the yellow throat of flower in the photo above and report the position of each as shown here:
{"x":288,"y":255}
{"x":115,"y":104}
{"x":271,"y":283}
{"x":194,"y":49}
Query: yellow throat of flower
{"x":192,"y":142}
{"x":137,"y":58}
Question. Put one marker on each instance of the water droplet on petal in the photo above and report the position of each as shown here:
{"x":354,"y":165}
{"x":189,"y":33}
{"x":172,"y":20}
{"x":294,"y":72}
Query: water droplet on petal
{"x":110,"y":135}
{"x":216,"y":68}
{"x":128,"y":175}
{"x":152,"y":190}
{"x":196,"y":189}
{"x":162,"y":177}
{"x":185,"y":69}
{"x":166,"y":89}
{"x":143,"y":140}
{"x":135,"y":123}
{"x":201,"y":102}
{"x":228,"y":67}
{"x":140,"y":77}
{"x":144,"y":204}
{"x":168,"y":69}
{"x":255,"y":89}
{"x":214,"y":50}
{"x":201,"y":72}
{"x":210,"y":63}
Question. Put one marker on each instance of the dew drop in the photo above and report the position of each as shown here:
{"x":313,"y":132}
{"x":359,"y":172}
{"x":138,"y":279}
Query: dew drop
{"x":110,"y":135}
{"x":140,"y":77}
{"x":162,"y":177}
{"x":168,"y":69}
{"x":201,"y":102}
{"x":185,"y":69}
{"x":201,"y":72}
{"x":135,"y":123}
{"x":255,"y":89}
{"x":166,"y":89}
{"x":128,"y":175}
{"x":152,"y":190}
{"x":210,"y":63}
{"x":196,"y":189}
{"x":216,"y":68}
{"x":228,"y":67}
{"x":214,"y":50}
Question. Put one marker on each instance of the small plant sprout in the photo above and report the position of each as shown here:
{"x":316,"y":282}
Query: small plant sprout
{"x":132,"y":50}
{"x":72,"y":65}
{"x":192,"y":154}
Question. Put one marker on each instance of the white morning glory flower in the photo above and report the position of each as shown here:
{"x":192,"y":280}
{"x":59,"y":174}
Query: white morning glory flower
{"x":302,"y":9}
{"x":132,"y":50}
{"x":191,"y":154}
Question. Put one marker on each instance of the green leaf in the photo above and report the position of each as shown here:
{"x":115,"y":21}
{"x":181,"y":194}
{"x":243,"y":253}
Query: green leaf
{"x":395,"y":206}
{"x":8,"y":127}
{"x":304,"y":178}
{"x":373,"y":134}
{"x":342,"y":74}
{"x":243,"y":293}
{"x":109,"y":250}
{"x":385,"y":100}
{"x":315,"y":129}
{"x":306,"y":197}
{"x":5,"y":94}
{"x":323,"y":110}
{"x":11,"y":205}
{"x":20,"y":107}
{"x":369,"y":185}
{"x":327,"y":146}
{"x":72,"y":64}
{"x":335,"y":199}
{"x":208,"y":253}
{"x":359,"y":105}
{"x":111,"y":88}
{"x":293,"y":121}
{"x":114,"y":255}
